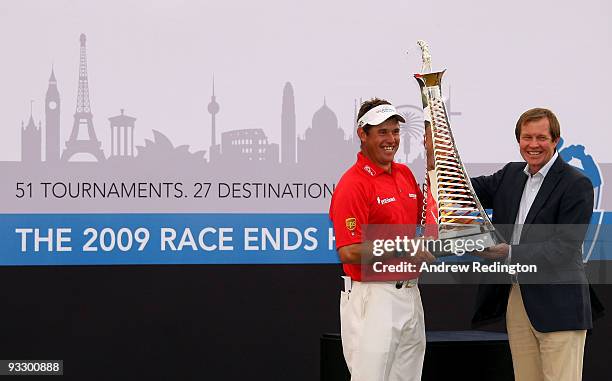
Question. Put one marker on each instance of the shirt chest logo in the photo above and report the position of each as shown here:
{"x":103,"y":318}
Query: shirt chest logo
{"x":383,"y":201}
{"x":369,"y":170}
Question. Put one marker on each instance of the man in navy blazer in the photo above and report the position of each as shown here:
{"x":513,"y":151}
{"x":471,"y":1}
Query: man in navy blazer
{"x":542,"y":209}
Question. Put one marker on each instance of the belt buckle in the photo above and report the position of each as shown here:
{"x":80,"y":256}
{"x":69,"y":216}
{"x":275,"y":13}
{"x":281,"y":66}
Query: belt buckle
{"x":406,"y":283}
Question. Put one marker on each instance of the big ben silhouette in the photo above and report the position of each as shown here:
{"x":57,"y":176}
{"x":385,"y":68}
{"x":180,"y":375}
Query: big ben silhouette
{"x":52,"y":121}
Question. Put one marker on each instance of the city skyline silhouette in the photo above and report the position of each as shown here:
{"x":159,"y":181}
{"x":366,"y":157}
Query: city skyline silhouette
{"x":321,"y":153}
{"x":323,"y":140}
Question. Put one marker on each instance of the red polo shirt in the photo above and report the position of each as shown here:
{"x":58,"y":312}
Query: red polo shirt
{"x":366,"y":194}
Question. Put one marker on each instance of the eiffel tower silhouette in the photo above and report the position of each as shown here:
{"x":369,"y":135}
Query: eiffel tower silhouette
{"x":83,"y":117}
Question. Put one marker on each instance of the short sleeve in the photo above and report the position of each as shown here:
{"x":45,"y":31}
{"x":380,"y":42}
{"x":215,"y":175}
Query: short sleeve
{"x":349,"y":212}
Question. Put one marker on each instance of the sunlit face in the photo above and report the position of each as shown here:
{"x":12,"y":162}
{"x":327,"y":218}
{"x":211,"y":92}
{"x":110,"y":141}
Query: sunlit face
{"x":536,"y":144}
{"x":381,"y":142}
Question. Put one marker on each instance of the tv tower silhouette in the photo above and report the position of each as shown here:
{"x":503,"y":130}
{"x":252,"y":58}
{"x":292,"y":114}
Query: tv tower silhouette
{"x":213,"y":109}
{"x":83,"y":116}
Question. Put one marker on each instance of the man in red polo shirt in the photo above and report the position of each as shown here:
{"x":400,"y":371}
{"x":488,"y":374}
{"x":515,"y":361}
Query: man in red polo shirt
{"x":382,"y":324}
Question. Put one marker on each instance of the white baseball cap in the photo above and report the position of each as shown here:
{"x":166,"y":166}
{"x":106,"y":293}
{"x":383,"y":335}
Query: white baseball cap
{"x":379,"y":114}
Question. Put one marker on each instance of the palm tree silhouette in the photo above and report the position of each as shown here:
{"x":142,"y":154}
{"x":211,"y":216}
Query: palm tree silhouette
{"x":414,"y":127}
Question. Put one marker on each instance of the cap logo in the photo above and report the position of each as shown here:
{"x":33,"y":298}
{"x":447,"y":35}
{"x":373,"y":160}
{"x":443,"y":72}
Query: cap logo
{"x":386,"y":109}
{"x":379,"y":114}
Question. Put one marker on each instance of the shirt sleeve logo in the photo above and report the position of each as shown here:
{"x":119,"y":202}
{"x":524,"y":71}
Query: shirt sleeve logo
{"x":351,"y":223}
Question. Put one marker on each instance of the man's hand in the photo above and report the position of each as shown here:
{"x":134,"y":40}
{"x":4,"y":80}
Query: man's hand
{"x":497,"y":253}
{"x":422,"y":254}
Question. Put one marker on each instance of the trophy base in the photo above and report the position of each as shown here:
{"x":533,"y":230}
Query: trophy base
{"x":465,"y":244}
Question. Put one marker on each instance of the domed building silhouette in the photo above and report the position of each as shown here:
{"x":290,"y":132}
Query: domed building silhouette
{"x":324,"y":141}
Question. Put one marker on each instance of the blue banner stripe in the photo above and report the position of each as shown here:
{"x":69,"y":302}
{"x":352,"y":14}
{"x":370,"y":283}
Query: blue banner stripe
{"x":224,"y":238}
{"x":97,"y":239}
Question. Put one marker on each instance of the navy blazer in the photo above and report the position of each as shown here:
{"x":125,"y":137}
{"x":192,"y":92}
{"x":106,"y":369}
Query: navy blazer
{"x":565,"y":200}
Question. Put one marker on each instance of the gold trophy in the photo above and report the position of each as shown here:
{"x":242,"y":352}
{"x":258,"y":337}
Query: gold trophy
{"x":453,"y":207}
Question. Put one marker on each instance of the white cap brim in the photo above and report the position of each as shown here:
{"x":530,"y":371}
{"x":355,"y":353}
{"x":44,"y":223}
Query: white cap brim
{"x":379,"y":114}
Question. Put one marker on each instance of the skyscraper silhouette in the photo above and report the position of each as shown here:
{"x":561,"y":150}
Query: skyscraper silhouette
{"x":355,"y":137}
{"x":288,"y":134}
{"x":52,"y":120}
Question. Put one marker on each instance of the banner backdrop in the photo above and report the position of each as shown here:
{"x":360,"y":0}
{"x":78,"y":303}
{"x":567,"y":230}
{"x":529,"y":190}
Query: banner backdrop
{"x":195,"y":132}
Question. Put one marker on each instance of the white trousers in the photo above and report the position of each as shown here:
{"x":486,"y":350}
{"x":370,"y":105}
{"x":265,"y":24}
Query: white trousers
{"x":383,"y":332}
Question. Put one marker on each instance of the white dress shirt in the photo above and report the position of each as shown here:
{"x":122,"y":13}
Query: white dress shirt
{"x":532,"y":187}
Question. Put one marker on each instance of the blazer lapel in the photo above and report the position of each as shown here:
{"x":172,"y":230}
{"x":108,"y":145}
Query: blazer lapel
{"x":550,"y":182}
{"x":505,"y":216}
{"x":515,"y":196}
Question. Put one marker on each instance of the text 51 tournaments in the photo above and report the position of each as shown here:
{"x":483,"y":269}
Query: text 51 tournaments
{"x":176,"y":190}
